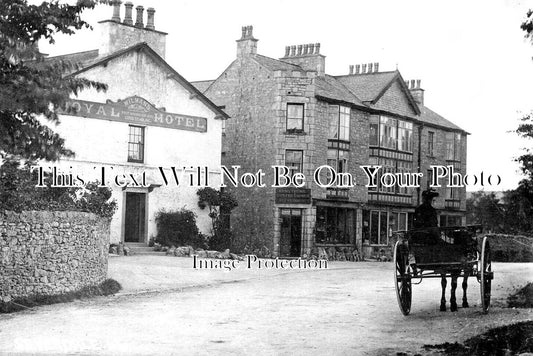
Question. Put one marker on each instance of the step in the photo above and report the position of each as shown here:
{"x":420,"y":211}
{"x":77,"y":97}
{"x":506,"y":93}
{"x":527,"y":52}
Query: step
{"x":142,"y":249}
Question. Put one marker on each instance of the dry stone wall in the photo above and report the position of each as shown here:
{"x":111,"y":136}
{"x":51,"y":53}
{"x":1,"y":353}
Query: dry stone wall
{"x":50,"y":253}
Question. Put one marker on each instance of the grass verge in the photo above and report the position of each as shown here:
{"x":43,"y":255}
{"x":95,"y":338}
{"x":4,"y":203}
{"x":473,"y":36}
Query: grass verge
{"x":107,"y":287}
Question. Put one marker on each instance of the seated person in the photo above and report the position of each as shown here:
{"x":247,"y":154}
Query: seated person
{"x":425,"y":220}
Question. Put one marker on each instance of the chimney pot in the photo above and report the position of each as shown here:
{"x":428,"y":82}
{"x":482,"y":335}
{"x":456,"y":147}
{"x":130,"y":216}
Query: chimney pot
{"x":287,"y":50}
{"x":418,"y":83}
{"x":306,"y":48}
{"x":250,"y":31}
{"x":139,"y":19}
{"x":317,"y":48}
{"x":412,"y":83}
{"x":370,"y":67}
{"x":293,"y":51}
{"x":128,"y":19}
{"x":357,"y":68}
{"x":150,"y":18}
{"x":116,"y":10}
{"x":243,"y":32}
{"x":363,"y":71}
{"x":376,"y":67}
{"x":300,"y":47}
{"x":312,"y":48}
{"x":351,"y":69}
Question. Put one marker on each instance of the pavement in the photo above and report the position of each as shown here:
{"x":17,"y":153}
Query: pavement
{"x":167,"y":307}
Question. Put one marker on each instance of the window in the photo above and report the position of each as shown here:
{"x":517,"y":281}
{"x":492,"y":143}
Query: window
{"x":374,"y":129}
{"x":334,"y":225}
{"x":136,"y":144}
{"x":339,"y":122}
{"x":431,"y":142}
{"x":405,"y":136}
{"x":378,"y":227}
{"x":295,"y":117}
{"x":294,"y":161}
{"x":338,"y":160}
{"x":457,"y":147}
{"x":387,"y":130}
{"x":389,"y":166}
{"x":453,"y":146}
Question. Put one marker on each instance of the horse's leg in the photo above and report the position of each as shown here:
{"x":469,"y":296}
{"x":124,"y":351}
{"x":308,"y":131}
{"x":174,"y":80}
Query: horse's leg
{"x":453,"y":302}
{"x":465,"y":286}
{"x":443,"y":297}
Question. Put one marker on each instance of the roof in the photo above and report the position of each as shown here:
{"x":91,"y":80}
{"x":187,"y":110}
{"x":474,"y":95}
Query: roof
{"x":275,"y":64}
{"x":142,"y":46}
{"x":330,"y":88}
{"x":431,"y":117}
{"x":202,"y":85}
{"x":368,"y":86}
{"x":83,"y":58}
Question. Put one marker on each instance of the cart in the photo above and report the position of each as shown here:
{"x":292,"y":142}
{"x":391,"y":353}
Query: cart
{"x":438,"y":252}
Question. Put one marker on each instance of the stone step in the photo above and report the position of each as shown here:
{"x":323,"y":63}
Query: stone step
{"x":142,"y":249}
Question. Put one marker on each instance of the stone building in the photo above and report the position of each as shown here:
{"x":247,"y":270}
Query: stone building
{"x":288,"y":111}
{"x":149,"y":117}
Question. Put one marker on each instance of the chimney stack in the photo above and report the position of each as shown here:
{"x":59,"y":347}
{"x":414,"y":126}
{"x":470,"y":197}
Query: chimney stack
{"x":116,"y":35}
{"x":116,"y":10}
{"x":306,"y":56}
{"x":247,"y":44}
{"x":128,"y":19}
{"x":416,"y":91}
{"x":150,"y":19}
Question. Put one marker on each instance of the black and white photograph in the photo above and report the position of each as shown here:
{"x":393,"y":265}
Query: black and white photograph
{"x":345,"y":177}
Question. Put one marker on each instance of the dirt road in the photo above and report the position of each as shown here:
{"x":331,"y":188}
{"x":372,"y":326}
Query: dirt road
{"x":348,"y":309}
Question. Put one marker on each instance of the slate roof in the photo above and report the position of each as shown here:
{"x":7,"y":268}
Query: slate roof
{"x":275,"y":64}
{"x":431,"y":117}
{"x":81,"y":58}
{"x":202,"y":85}
{"x":367,"y":86}
{"x":330,"y":88}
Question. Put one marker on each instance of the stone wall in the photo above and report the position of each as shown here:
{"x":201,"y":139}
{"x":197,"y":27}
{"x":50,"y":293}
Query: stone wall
{"x":51,"y":252}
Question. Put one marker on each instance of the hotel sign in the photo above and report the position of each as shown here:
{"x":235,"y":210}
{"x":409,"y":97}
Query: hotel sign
{"x":134,"y":110}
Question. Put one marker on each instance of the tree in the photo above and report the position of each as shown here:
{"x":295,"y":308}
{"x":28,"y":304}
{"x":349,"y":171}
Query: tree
{"x":31,"y":87}
{"x":485,"y":209}
{"x":220,"y":204}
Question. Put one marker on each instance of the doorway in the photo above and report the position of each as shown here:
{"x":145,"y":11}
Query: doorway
{"x":135,"y":220}
{"x":291,"y":232}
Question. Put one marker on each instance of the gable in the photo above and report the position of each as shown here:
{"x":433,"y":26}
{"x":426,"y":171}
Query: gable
{"x":396,"y":100}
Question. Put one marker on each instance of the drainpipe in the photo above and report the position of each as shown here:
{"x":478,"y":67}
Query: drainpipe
{"x":419,"y":161}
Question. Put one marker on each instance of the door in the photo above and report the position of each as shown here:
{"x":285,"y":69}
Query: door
{"x":291,"y":232}
{"x":135,"y":221}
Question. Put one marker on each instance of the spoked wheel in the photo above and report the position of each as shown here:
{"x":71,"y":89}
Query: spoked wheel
{"x":402,"y":277}
{"x":485,"y":275}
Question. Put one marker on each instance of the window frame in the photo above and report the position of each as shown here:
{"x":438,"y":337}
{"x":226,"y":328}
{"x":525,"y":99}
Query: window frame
{"x":291,"y":168}
{"x":287,"y":118}
{"x":141,"y":144}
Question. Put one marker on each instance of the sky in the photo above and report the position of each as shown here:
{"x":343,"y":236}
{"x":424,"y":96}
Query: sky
{"x":474,"y":63}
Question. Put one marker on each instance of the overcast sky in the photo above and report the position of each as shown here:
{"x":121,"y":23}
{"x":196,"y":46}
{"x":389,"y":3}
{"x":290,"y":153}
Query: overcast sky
{"x":471,"y":56}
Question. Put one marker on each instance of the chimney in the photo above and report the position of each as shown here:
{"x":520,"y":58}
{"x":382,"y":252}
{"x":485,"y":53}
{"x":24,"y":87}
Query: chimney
{"x":306,"y":56}
{"x":370,"y":67}
{"x":376,"y":67}
{"x":128,"y":15}
{"x":357,"y":68}
{"x":139,"y":19}
{"x":247,"y":44}
{"x":416,"y":91}
{"x":363,"y":71}
{"x":116,"y":35}
{"x":150,"y":18}
{"x":351,"y":69}
{"x":116,"y":10}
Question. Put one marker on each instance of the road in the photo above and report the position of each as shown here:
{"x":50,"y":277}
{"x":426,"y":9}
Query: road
{"x":169,"y":308}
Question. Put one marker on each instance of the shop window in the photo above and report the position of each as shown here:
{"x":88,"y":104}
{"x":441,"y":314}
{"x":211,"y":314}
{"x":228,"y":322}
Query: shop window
{"x":136,"y":144}
{"x":295,"y":117}
{"x":334,"y":225}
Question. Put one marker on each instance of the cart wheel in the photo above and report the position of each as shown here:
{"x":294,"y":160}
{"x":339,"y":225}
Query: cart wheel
{"x":402,"y":277}
{"x":485,"y":275}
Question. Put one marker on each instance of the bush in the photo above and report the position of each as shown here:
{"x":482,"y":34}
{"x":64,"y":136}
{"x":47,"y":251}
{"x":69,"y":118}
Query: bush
{"x":18,"y":193}
{"x":220,"y":204}
{"x":178,"y":228}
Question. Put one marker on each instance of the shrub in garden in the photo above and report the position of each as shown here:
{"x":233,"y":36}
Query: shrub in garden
{"x":178,"y":228}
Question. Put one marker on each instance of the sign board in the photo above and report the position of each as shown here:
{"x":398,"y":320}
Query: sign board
{"x":293,"y":196}
{"x":135,"y":110}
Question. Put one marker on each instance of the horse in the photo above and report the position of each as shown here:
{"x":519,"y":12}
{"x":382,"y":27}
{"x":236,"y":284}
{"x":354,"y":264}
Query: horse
{"x":453,"y":302}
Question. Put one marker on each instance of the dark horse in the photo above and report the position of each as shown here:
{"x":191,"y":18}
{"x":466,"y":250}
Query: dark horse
{"x":464,"y":248}
{"x":453,"y":303}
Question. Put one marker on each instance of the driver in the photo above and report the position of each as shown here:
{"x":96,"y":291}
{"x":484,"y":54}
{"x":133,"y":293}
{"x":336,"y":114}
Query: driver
{"x":425,"y":218}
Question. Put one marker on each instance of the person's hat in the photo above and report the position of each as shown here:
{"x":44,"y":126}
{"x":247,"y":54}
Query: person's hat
{"x":430,"y":193}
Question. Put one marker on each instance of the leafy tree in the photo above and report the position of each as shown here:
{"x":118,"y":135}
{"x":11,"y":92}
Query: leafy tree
{"x":485,"y":209}
{"x":31,"y":87}
{"x":220,"y":204}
